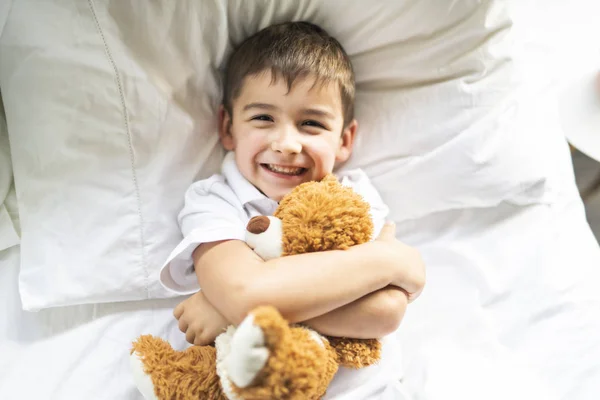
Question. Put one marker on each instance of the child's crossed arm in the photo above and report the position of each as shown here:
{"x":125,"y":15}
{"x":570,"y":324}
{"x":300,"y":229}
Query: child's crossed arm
{"x":350,"y":293}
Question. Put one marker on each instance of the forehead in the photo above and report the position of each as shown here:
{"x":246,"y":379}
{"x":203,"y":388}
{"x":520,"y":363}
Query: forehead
{"x":264,"y":87}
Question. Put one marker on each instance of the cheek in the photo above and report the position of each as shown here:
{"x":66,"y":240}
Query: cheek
{"x":247,"y":137}
{"x":322,"y":150}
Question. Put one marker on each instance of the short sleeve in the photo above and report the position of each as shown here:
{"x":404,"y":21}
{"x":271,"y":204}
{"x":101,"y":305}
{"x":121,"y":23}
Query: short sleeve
{"x":212,"y":212}
{"x":358,"y":180}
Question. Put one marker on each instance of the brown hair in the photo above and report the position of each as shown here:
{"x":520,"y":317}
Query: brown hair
{"x":292,"y":50}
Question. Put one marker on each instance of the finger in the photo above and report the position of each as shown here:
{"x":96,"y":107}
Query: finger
{"x":178,"y":311}
{"x":206,"y":338}
{"x":201,"y":340}
{"x":183,"y":325}
{"x":198,"y":341}
{"x":388,"y":231}
{"x":412,"y":297}
{"x":415,"y":282}
{"x":190,"y":336}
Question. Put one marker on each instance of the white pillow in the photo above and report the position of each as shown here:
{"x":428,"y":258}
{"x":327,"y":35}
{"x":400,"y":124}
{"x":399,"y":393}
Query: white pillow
{"x":111,"y":116}
{"x":102,"y":154}
{"x":8,"y":234}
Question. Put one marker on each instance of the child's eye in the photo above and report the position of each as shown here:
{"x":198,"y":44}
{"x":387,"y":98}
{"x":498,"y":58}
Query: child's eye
{"x":313,"y":123}
{"x":263,"y":117}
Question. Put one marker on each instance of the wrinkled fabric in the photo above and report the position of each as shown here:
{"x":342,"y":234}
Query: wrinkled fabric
{"x":125,"y":101}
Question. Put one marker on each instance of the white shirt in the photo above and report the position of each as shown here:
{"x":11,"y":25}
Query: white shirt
{"x":219,"y":208}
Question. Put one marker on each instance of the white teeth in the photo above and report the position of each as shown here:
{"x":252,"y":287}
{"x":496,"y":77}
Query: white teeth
{"x":284,"y":170}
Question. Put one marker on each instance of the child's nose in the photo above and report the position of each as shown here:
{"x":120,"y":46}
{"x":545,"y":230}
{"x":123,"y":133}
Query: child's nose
{"x":286,"y":142}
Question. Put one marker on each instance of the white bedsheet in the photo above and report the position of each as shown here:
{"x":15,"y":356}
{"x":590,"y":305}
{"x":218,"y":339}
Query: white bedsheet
{"x":527,"y":327}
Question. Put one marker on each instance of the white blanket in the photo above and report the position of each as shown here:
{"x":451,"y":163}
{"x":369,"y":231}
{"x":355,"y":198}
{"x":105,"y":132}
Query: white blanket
{"x":525,"y":326}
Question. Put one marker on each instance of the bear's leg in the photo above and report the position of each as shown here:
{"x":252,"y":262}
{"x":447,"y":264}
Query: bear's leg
{"x":356,"y":353}
{"x":270,"y":360}
{"x":162,"y":373}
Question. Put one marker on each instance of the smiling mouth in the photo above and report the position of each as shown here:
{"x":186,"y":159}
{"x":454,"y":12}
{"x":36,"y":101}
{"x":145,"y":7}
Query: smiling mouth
{"x":279,"y":169}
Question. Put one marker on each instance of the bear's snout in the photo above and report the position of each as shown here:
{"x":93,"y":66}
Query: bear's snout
{"x":258,"y":224}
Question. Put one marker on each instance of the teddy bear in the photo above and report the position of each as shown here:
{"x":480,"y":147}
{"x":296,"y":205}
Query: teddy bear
{"x":265,"y":357}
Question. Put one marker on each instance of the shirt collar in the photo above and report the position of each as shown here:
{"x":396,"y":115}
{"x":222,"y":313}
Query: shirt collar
{"x":244,"y":190}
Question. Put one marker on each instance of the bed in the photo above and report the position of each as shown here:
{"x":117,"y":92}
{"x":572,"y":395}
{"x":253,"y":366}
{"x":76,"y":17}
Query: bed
{"x":108,"y":116}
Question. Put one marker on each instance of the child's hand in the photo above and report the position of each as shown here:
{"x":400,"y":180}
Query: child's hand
{"x":199,"y":320}
{"x":406,"y":262}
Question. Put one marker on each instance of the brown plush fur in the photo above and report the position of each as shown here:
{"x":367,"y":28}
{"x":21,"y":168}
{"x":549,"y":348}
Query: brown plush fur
{"x":356,"y":353}
{"x":179,"y":375}
{"x":316,"y":216}
{"x":325,"y":215}
{"x":299,"y":367}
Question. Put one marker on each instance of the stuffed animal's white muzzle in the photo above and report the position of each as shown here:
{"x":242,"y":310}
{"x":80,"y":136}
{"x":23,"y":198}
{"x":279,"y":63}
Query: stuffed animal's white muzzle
{"x":263,"y":235}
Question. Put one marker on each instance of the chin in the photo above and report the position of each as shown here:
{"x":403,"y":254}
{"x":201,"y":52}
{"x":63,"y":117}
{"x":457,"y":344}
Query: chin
{"x":278,"y":196}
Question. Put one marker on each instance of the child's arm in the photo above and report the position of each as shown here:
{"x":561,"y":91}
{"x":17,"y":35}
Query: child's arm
{"x":373,"y":316}
{"x":199,"y":320}
{"x":305,"y":286}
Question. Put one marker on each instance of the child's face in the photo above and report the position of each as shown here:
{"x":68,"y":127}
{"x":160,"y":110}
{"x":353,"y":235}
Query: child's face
{"x":283,"y":138}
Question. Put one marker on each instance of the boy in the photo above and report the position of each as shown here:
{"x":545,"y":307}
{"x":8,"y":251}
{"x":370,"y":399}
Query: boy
{"x":287,"y":118}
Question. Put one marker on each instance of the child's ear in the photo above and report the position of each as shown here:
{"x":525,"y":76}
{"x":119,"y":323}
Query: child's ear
{"x":225,"y":129}
{"x":346,"y":142}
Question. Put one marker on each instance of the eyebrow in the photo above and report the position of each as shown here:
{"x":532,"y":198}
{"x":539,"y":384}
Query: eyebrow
{"x":306,"y":111}
{"x":262,"y":106}
{"x":318,"y":113}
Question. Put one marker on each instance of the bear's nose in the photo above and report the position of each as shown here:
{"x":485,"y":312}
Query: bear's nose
{"x":258,"y":224}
